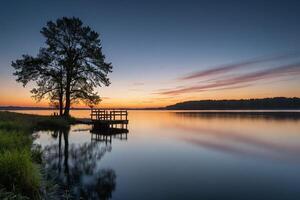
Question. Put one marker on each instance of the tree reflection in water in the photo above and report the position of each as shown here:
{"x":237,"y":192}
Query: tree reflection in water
{"x":75,"y":169}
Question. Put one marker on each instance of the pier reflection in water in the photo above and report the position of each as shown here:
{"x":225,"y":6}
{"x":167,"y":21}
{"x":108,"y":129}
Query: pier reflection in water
{"x":76,"y":168}
{"x":106,"y":135}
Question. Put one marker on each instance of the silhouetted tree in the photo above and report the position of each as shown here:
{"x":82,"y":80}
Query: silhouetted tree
{"x":69,"y":68}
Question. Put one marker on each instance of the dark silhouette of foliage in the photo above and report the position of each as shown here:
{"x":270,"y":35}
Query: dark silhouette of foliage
{"x":243,"y":104}
{"x":69,"y":68}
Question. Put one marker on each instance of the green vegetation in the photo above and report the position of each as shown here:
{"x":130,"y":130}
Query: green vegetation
{"x":24,"y":122}
{"x":20,"y":175}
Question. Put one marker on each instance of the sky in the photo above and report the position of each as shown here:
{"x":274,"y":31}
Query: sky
{"x":164,"y":52}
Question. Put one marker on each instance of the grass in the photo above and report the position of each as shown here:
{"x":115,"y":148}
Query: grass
{"x":20,"y":176}
{"x":18,"y":121}
{"x":13,"y":140}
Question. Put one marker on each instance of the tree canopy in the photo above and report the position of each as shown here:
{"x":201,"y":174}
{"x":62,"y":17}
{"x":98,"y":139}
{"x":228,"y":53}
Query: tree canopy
{"x":69,"y":68}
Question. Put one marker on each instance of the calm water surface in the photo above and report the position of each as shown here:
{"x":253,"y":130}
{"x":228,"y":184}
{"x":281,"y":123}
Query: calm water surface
{"x":179,"y":155}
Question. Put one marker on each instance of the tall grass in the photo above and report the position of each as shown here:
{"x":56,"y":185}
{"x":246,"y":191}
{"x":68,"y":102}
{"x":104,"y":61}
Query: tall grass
{"x":13,"y":140}
{"x":20,"y":176}
{"x":18,"y":173}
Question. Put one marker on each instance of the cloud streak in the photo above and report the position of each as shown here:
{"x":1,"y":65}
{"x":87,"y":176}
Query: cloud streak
{"x":281,"y":71}
{"x":138,"y":83}
{"x":227,"y":68}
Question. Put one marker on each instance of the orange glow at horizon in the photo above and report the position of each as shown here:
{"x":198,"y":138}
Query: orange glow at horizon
{"x":146,"y":94}
{"x":152,"y":101}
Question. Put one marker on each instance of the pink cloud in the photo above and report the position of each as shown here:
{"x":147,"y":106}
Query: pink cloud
{"x":281,"y":71}
{"x":227,"y":68}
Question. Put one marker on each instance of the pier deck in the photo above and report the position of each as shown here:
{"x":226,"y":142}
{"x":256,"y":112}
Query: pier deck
{"x":109,"y":116}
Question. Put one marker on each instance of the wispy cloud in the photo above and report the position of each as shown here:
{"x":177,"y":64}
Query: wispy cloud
{"x":138,"y":83}
{"x":233,"y":87}
{"x":281,"y":71}
{"x":230,"y":67}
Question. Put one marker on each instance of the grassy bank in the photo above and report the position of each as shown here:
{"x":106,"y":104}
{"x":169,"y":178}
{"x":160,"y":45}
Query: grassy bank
{"x":20,"y":176}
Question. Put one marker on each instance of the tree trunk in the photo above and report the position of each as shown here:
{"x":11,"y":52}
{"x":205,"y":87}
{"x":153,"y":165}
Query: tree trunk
{"x":61,"y":93}
{"x":68,"y":104}
{"x":68,"y":96}
{"x":61,"y":104}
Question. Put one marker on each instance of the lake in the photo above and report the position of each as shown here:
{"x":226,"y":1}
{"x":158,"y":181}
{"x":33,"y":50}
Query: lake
{"x":178,"y":155}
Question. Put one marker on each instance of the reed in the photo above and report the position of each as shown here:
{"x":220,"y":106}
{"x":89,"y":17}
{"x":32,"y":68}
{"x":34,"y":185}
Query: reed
{"x":20,"y":174}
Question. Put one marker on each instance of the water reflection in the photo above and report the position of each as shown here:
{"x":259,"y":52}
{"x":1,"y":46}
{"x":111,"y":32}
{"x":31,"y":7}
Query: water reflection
{"x":228,"y":156}
{"x":235,"y":134}
{"x":76,"y":167}
{"x":106,"y":135}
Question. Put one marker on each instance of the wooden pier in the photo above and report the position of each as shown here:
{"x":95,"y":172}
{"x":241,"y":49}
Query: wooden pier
{"x":102,"y":119}
{"x":109,"y":118}
{"x":108,"y":124}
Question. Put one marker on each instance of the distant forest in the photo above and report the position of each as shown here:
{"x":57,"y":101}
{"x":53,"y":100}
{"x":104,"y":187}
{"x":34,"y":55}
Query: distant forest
{"x":242,"y":104}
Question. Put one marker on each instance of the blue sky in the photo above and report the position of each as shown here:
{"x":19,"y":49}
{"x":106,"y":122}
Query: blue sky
{"x":152,"y":43}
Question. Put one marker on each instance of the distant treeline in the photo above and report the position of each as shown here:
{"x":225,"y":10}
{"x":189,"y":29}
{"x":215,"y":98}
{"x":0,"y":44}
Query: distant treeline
{"x":242,"y":104}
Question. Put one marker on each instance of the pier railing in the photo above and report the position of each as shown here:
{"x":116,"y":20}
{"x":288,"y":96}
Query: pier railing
{"x":108,"y":115}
